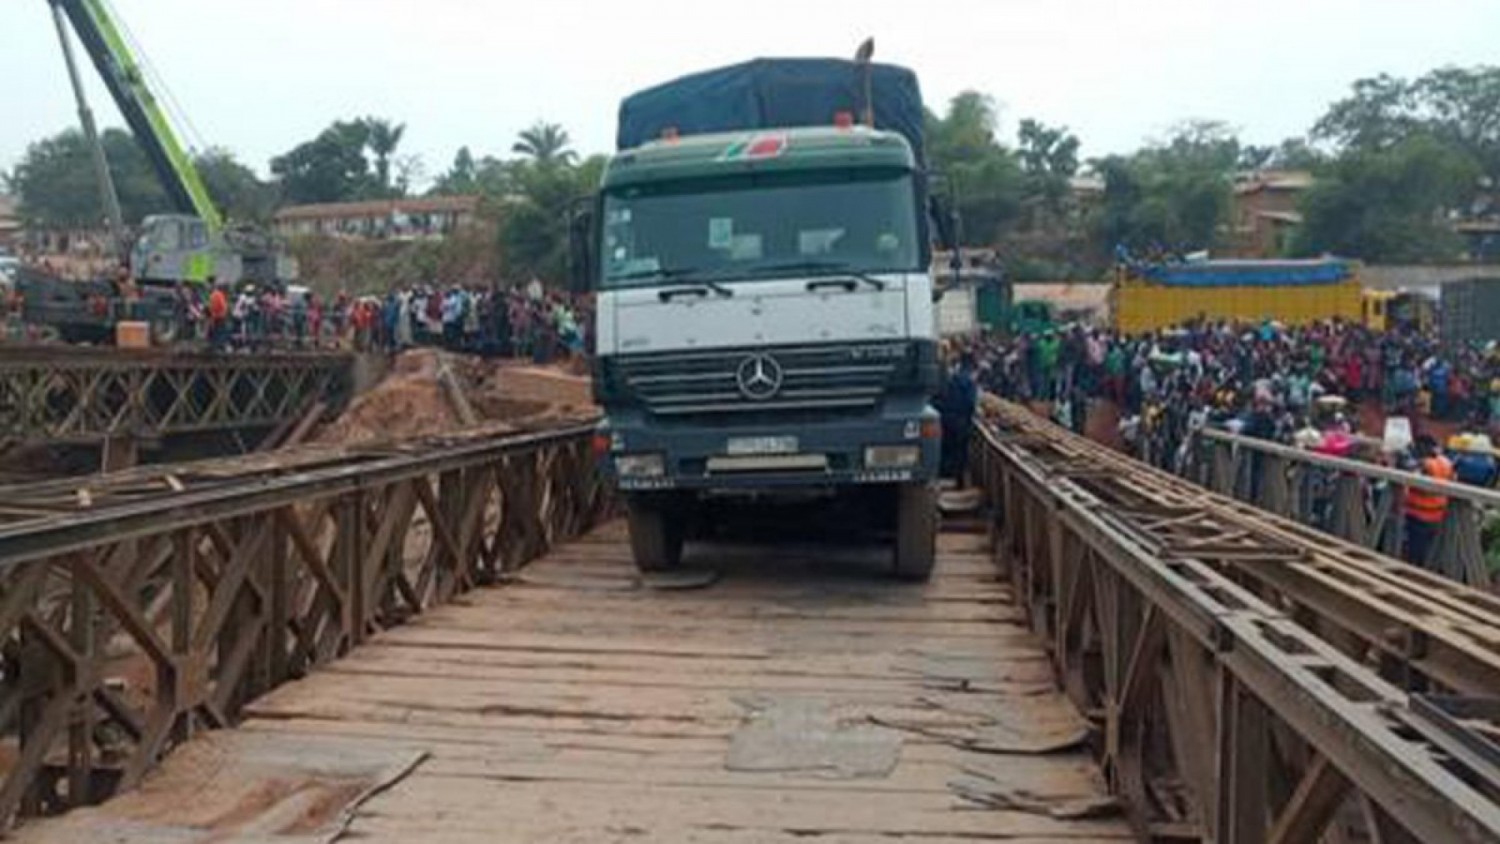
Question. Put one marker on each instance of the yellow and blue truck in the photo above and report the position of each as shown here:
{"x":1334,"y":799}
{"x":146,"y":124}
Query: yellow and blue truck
{"x":1154,"y":296}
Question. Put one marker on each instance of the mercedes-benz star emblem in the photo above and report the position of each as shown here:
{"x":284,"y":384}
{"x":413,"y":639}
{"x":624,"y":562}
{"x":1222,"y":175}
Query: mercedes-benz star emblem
{"x":759,"y":377}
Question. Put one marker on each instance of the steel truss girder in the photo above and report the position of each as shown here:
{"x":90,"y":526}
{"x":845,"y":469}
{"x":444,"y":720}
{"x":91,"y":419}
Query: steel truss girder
{"x":1358,"y":502}
{"x":84,"y":398}
{"x":1221,"y":714}
{"x":125,"y":630}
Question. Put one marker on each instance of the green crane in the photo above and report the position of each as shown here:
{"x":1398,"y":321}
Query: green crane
{"x":193,"y":244}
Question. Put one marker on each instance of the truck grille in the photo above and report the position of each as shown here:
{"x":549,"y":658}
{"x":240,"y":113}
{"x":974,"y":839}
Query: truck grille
{"x":805,"y":378}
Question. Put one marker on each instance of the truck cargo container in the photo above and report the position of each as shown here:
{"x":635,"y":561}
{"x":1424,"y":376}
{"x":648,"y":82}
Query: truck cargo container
{"x":1471,"y":311}
{"x":1150,"y":297}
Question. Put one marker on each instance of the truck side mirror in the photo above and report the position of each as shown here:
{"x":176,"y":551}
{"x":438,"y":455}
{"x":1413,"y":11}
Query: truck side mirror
{"x":942,"y":221}
{"x":581,"y":263}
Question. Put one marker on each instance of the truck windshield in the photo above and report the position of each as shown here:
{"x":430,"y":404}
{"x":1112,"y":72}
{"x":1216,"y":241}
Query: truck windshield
{"x":760,"y":226}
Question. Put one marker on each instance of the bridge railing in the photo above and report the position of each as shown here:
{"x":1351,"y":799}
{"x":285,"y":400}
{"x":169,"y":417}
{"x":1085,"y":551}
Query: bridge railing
{"x":1358,"y":501}
{"x":87,"y":395}
{"x":123,"y":630}
{"x":1244,"y":683}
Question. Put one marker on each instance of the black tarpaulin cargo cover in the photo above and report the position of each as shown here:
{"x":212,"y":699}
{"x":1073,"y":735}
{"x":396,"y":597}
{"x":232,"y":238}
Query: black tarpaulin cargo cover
{"x":774,"y":93}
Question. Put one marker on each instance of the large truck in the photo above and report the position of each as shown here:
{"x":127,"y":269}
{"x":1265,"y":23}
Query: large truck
{"x":1470,"y":312}
{"x":760,"y":251}
{"x":1153,"y":296}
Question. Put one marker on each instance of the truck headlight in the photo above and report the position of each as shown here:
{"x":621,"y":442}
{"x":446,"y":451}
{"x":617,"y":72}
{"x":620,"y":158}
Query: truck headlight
{"x":892,"y":456}
{"x":640,"y":465}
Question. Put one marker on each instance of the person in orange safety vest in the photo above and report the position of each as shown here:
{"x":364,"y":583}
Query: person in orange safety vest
{"x":1425,"y":510}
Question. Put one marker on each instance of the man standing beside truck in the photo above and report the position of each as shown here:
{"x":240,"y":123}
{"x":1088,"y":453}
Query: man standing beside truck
{"x":959,"y":400}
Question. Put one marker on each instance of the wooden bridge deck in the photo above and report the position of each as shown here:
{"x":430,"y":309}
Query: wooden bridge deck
{"x":801,"y":694}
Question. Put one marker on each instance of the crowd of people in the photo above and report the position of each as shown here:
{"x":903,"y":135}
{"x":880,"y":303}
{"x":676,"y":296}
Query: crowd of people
{"x":1306,"y":386}
{"x":526,"y":321}
{"x":1269,"y":380}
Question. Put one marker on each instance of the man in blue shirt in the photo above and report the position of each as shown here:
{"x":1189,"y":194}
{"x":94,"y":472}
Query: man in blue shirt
{"x":959,"y":399}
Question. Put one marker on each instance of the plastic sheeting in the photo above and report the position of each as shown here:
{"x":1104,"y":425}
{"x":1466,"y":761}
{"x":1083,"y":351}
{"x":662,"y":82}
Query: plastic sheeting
{"x":774,"y":93}
{"x":1248,"y":273}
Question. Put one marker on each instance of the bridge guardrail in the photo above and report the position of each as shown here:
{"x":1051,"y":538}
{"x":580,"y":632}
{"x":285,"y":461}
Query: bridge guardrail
{"x":1358,"y":501}
{"x":1220,"y":711}
{"x":56,"y":395}
{"x":125,"y":630}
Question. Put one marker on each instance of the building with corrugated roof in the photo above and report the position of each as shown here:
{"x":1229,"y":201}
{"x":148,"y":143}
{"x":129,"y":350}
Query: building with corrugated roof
{"x":399,"y":219}
{"x":1265,"y":212}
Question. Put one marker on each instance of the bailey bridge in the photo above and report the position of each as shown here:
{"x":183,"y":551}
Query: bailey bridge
{"x":123,"y":399}
{"x":445,"y":640}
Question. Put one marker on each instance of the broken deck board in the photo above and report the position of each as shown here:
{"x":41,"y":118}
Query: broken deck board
{"x":802,"y":693}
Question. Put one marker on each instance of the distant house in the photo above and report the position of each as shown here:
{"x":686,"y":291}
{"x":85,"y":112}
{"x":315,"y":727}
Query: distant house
{"x":397,"y":219}
{"x":1087,"y":190}
{"x":1263,"y":210}
{"x":10,"y":222}
{"x":1264,"y":213}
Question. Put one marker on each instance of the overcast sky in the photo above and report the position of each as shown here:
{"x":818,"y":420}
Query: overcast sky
{"x":260,"y":76}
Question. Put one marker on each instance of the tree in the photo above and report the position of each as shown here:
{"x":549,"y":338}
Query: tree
{"x":235,"y":189}
{"x":533,"y":230}
{"x":544,"y":143}
{"x":1297,"y":154}
{"x":461,"y":178}
{"x":330,"y":168}
{"x":1256,"y":157}
{"x":410,"y":169}
{"x":1458,"y":106}
{"x":984,"y":177}
{"x":1388,"y":204}
{"x":1172,"y":195}
{"x":1049,"y":158}
{"x":1379,"y":113}
{"x":57,"y":187}
{"x":383,"y":137}
{"x":56,"y":183}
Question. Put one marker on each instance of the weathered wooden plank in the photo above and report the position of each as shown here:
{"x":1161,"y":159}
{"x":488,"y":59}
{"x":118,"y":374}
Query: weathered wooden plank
{"x":579,"y":706}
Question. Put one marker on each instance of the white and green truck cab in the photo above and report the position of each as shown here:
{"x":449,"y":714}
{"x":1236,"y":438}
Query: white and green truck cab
{"x":765,"y":326}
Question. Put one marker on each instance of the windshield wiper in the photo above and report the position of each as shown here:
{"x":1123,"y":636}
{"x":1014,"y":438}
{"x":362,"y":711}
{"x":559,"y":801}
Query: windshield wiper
{"x":659,"y":272}
{"x":695,"y":288}
{"x":837,"y":266}
{"x":688,"y":286}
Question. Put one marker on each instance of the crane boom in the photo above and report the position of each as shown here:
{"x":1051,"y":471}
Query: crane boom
{"x":122,"y":75}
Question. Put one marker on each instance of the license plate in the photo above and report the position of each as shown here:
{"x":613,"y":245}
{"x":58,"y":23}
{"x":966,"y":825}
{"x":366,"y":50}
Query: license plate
{"x":740,"y":446}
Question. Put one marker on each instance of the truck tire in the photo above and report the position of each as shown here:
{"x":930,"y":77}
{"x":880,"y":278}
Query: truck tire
{"x":656,"y":533}
{"x":916,"y":532}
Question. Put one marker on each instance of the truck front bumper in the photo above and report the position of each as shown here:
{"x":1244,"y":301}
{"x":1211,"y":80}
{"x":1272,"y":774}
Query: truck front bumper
{"x":901,"y":445}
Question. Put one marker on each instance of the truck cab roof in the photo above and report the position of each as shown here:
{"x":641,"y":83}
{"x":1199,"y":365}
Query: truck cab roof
{"x":762,"y":150}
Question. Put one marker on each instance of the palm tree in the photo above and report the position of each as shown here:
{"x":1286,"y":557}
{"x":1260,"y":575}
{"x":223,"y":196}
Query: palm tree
{"x":384,"y":137}
{"x":545,"y":143}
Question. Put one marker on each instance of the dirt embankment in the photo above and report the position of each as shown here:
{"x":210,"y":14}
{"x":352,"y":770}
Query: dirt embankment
{"x":432,"y":392}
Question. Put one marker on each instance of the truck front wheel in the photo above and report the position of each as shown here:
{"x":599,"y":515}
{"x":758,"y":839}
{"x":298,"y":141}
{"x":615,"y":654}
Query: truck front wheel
{"x":916,"y":531}
{"x":656,"y":532}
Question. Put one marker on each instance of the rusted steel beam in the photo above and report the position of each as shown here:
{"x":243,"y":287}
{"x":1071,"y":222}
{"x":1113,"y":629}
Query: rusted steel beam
{"x":125,"y":628}
{"x":1352,"y":499}
{"x":1434,"y":629}
{"x":1217,"y":722}
{"x":84,"y":396}
{"x":86,"y":528}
